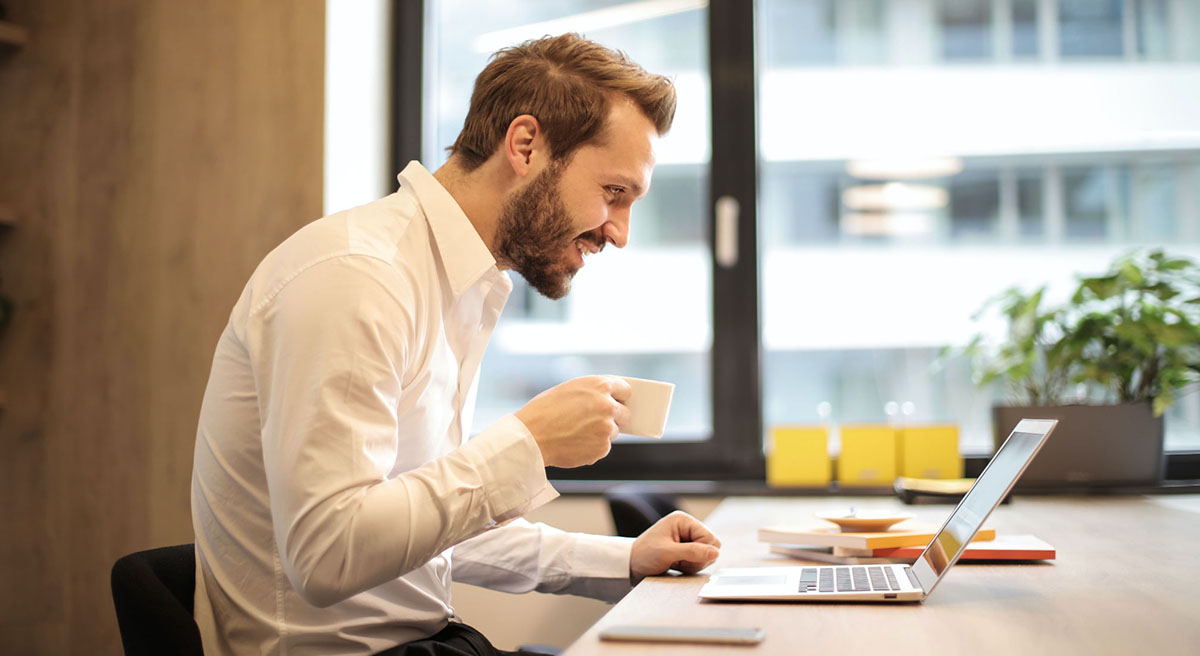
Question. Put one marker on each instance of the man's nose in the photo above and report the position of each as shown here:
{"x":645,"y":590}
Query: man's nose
{"x":616,"y":230}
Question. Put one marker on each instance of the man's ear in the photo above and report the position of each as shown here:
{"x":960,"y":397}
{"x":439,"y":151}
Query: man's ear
{"x":524,"y":145}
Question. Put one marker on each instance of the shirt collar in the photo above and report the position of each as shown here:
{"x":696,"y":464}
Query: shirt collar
{"x":464,"y":255}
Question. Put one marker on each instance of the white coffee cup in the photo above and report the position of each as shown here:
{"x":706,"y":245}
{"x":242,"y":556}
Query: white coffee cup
{"x":648,"y":407}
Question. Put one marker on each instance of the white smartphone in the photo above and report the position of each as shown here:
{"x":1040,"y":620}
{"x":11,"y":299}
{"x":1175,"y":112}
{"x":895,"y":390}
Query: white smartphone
{"x":726,"y":635}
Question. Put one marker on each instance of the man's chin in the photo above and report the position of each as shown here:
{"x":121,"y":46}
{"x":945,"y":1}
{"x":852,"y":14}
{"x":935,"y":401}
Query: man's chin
{"x":553,"y":287}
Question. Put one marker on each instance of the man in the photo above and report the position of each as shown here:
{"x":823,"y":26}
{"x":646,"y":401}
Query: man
{"x":334,"y":496}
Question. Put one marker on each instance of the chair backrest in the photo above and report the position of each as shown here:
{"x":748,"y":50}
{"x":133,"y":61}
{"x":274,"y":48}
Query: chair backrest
{"x":153,"y":592}
{"x":635,"y":510}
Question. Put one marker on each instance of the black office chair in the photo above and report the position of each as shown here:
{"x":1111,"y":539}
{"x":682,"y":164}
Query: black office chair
{"x":635,"y":509}
{"x":153,"y":592}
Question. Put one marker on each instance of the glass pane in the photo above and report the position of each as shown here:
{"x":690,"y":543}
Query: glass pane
{"x":966,"y":28}
{"x":1094,"y":202}
{"x":1152,"y":208}
{"x":1091,"y":28}
{"x":974,"y":205}
{"x":1024,"y":28}
{"x":642,"y":311}
{"x":895,"y":199}
{"x":1030,"y":203}
{"x":805,"y":204}
{"x":811,"y":37}
{"x":1153,"y":30}
{"x":860,"y":31}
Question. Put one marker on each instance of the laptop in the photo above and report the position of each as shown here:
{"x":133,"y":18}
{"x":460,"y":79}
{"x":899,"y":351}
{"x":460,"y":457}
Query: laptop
{"x":893,"y":582}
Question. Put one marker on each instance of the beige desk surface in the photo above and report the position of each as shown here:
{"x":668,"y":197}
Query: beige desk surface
{"x":1126,"y":581}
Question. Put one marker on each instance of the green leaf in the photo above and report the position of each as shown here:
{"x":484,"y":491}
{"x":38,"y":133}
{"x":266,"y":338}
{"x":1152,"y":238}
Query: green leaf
{"x":1130,"y":272}
{"x":1163,"y":401}
{"x":1175,"y":264}
{"x":1163,"y":291}
{"x":1176,"y":335}
{"x":1102,"y":288}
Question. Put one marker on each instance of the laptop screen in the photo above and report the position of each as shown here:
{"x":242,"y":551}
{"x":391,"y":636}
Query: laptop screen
{"x":991,"y":486}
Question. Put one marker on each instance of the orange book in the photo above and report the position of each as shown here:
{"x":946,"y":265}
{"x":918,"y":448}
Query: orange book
{"x":834,"y":537}
{"x":1004,"y":547}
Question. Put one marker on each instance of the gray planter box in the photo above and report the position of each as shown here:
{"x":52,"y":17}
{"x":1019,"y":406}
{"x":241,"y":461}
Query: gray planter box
{"x":1093,"y":446}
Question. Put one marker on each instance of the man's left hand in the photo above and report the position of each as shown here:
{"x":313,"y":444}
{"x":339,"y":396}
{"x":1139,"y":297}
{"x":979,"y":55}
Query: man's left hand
{"x":677,"y":541}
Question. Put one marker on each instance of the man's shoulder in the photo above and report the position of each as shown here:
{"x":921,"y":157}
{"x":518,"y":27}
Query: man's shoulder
{"x":389,"y":229}
{"x":388,"y":239}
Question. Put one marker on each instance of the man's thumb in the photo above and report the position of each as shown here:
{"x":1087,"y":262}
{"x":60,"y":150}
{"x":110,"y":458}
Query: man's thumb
{"x":699,"y":552}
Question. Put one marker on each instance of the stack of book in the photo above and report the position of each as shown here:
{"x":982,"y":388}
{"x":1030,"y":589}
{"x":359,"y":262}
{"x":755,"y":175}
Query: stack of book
{"x":898,"y":545}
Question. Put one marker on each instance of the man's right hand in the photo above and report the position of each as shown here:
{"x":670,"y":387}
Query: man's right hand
{"x":575,"y":423}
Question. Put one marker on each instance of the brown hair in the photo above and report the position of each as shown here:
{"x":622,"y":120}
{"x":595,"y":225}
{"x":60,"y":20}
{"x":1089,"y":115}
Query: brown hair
{"x":567,"y":83}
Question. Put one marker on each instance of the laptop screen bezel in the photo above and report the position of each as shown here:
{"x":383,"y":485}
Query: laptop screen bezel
{"x":925,"y":574}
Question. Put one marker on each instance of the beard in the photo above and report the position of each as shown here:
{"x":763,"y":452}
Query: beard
{"x":534,"y":231}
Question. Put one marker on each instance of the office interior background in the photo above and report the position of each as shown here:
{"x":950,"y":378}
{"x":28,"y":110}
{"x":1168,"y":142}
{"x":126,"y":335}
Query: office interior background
{"x":152,"y":152}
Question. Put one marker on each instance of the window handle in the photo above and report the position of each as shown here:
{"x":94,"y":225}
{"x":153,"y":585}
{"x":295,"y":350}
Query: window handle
{"x":726,"y":242}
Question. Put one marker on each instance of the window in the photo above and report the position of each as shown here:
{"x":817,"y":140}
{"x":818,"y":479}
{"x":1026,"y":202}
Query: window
{"x":1091,"y":28}
{"x":966,"y":28}
{"x":1018,"y":174}
{"x":895,"y":163}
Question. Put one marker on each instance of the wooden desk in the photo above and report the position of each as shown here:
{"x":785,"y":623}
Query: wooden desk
{"x":1126,"y":581}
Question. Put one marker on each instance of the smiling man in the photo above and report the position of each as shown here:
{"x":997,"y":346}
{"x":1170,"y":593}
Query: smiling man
{"x":335,"y":494}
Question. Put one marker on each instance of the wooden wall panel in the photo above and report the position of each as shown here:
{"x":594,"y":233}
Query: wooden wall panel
{"x":156,"y":150}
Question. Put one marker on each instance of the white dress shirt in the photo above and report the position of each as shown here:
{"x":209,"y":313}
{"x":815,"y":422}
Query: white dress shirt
{"x":332,"y":476}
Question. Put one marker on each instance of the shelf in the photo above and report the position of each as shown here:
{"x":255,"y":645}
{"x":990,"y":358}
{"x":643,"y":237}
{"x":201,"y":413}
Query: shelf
{"x":13,"y":35}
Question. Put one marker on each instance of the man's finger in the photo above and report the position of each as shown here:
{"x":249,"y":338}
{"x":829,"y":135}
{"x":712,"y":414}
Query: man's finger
{"x":621,"y":414}
{"x":694,"y":557}
{"x":695,"y":552}
{"x":691,"y":529}
{"x":619,"y":388}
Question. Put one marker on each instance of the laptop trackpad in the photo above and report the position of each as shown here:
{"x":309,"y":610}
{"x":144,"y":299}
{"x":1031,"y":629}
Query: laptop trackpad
{"x":749,"y":580}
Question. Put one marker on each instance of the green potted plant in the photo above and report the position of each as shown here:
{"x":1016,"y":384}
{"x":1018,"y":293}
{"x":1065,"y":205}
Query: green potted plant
{"x":1107,"y":363}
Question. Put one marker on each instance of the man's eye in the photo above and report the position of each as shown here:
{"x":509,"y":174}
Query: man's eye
{"x":615,"y":191}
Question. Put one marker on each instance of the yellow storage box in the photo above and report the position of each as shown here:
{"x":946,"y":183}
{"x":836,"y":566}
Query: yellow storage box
{"x":798,"y":456}
{"x":930,"y":452}
{"x":868,"y":457}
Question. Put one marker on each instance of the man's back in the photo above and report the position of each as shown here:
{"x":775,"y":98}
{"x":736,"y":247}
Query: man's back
{"x":239,"y":563}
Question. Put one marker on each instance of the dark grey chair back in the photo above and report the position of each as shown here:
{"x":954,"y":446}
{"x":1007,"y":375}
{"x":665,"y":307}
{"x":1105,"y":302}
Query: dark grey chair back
{"x":153,"y":594}
{"x":634,"y":510}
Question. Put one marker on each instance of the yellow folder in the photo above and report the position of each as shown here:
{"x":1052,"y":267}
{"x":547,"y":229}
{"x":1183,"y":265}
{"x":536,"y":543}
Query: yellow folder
{"x":798,"y":456}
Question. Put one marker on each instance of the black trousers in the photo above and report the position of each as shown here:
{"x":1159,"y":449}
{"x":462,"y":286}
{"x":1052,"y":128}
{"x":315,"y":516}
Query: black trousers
{"x":457,"y":639}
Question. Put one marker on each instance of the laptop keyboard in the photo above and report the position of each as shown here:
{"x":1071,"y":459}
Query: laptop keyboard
{"x":858,"y":578}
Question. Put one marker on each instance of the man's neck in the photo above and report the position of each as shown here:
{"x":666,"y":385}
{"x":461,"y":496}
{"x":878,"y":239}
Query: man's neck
{"x":480,"y":193}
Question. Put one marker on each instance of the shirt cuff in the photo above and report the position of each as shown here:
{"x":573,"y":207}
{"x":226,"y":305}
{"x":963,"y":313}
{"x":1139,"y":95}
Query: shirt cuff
{"x":512,"y":466}
{"x":600,"y":566}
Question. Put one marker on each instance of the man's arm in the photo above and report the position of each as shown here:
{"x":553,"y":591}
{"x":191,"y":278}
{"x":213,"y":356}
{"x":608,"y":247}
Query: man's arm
{"x":524,"y":557}
{"x":329,"y":353}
